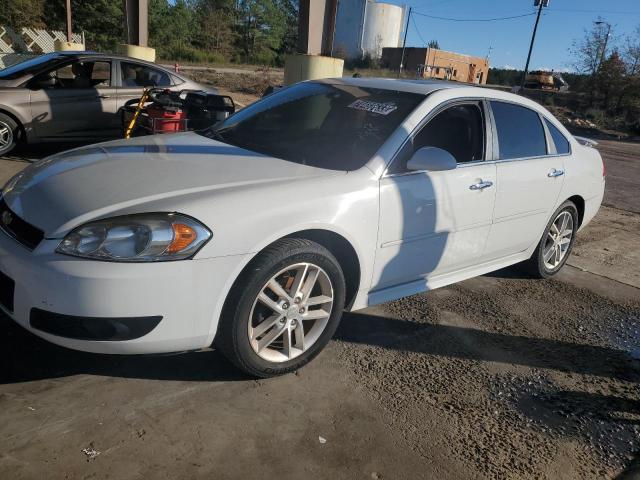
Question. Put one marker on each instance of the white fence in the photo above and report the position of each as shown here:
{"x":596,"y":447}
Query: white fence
{"x":14,"y":45}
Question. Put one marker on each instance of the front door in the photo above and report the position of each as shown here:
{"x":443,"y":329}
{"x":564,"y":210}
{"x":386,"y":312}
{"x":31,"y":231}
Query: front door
{"x":432,"y":223}
{"x":530,"y":176}
{"x":80,"y":104}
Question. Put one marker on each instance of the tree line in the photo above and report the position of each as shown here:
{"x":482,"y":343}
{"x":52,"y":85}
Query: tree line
{"x":248,"y":31}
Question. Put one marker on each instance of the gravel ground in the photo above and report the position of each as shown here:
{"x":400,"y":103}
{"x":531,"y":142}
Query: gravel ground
{"x":496,"y":377}
{"x":518,"y":378}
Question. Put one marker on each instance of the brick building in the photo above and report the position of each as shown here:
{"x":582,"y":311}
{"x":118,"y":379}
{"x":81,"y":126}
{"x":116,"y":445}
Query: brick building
{"x":434,"y":63}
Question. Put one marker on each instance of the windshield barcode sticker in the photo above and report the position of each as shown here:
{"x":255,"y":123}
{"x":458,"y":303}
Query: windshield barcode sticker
{"x":374,"y":107}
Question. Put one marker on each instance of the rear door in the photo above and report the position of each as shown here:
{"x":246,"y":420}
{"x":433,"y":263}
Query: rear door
{"x":530,"y":175}
{"x":81,"y":104}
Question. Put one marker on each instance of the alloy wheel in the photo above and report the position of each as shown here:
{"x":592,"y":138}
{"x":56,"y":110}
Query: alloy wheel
{"x":558,"y":240}
{"x":6,"y":136}
{"x":290,"y":312}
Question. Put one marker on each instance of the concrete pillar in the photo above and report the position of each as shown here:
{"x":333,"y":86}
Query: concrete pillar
{"x":136,"y":14}
{"x":309,"y":67}
{"x":61,"y":46}
{"x":316,"y":26}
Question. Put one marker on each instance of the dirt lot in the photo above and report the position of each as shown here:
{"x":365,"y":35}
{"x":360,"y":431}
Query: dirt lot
{"x":496,"y":377}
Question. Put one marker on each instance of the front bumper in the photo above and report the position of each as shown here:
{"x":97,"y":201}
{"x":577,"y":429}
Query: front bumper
{"x":188,"y":295}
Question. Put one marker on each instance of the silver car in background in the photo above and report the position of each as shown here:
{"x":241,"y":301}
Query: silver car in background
{"x":75,"y":96}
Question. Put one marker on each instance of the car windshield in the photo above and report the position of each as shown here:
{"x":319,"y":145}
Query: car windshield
{"x":29,"y":66}
{"x":337,"y":127}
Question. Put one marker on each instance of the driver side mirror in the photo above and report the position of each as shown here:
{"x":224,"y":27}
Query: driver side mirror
{"x":43,"y":81}
{"x":432,"y":159}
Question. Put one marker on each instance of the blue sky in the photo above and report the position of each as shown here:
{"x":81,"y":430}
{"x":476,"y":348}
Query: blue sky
{"x":561,"y":23}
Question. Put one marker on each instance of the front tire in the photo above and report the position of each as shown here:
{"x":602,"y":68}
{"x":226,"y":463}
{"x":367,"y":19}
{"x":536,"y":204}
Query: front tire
{"x":8,"y":134}
{"x":556,"y":243}
{"x":283,"y":310}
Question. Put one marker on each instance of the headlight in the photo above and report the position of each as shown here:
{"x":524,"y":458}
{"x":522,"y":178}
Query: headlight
{"x":152,"y":237}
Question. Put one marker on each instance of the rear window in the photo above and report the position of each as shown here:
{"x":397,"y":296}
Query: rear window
{"x":338,"y":127}
{"x":559,"y":140}
{"x":520,"y":132}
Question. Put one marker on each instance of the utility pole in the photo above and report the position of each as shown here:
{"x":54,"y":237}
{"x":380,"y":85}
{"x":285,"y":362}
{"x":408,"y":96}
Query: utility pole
{"x":69,"y":21}
{"x":488,"y":53}
{"x":539,"y":4}
{"x":404,"y":44}
{"x":606,"y":39}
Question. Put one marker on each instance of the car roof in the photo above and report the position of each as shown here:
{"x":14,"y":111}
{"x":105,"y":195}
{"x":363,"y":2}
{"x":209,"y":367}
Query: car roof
{"x":91,"y":53}
{"x":400,"y":85}
{"x":428,"y":86}
{"x":74,"y":54}
{"x":61,"y":57}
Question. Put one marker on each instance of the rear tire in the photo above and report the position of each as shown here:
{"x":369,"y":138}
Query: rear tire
{"x":283,"y":309}
{"x":556,"y":243}
{"x":9,"y":133}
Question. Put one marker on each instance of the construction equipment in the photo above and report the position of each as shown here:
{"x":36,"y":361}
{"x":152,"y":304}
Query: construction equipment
{"x":544,"y":80}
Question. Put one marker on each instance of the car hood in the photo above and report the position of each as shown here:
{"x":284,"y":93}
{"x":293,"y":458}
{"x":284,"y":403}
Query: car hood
{"x":63,"y":191}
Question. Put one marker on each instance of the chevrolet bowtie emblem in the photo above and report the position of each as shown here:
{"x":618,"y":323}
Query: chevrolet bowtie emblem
{"x":7,"y":218}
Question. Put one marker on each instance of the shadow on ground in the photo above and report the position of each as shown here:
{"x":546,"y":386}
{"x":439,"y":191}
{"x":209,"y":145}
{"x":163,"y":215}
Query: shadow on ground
{"x":26,"y":357}
{"x":469,"y":343}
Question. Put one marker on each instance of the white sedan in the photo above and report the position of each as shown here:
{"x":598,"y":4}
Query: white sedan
{"x":255,"y":235}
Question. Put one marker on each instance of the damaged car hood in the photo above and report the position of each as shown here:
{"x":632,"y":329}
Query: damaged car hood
{"x":63,"y":191}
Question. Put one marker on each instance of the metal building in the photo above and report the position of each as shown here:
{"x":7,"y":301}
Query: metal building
{"x":367,"y":26}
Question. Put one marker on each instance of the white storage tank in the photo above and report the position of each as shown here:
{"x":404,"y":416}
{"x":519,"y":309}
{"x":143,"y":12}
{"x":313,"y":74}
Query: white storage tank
{"x":366,"y":26}
{"x":382,"y":27}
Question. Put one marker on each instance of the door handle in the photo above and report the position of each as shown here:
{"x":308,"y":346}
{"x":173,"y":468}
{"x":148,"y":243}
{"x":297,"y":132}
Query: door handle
{"x":104,"y":96}
{"x":480,"y":185}
{"x":555,"y":173}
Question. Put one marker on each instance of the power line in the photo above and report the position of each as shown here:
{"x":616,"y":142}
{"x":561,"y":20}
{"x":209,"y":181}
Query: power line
{"x":605,"y":12}
{"x":413,"y":20}
{"x":475,"y":19}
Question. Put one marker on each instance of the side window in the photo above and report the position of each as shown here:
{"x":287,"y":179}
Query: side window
{"x":520,"y":131}
{"x":459,"y":130}
{"x":559,"y":140}
{"x":101,"y":74}
{"x":137,"y":75}
{"x":83,"y":75}
{"x":176,"y":80}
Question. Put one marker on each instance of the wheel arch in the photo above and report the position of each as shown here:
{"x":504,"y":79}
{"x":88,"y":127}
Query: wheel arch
{"x":22,"y":135}
{"x":344,"y":252}
{"x":579,"y":202}
{"x":337,"y":244}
